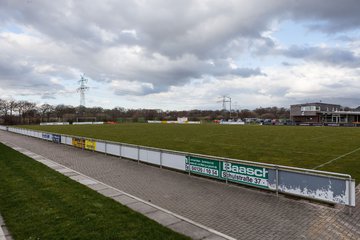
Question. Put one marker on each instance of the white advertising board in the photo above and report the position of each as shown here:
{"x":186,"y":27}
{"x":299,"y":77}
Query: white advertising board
{"x":113,"y":149}
{"x":69,"y":140}
{"x":100,"y":147}
{"x":150,"y":156}
{"x":129,"y":152}
{"x":175,"y":161}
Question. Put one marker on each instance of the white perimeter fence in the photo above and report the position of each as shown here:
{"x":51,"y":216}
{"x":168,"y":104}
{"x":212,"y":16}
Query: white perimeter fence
{"x":54,"y":123}
{"x":320,"y":185}
{"x":85,"y":123}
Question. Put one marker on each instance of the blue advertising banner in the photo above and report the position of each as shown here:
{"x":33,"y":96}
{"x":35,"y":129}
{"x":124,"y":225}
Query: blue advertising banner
{"x":47,"y":136}
{"x":56,"y":138}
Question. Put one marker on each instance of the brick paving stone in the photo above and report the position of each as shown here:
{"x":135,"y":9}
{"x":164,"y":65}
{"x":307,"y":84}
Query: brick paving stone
{"x":233,"y":210}
{"x":214,"y":237}
{"x":189,"y":229}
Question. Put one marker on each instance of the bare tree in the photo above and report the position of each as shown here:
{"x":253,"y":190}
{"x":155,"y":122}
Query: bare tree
{"x":3,"y":107}
{"x":12,"y":104}
{"x":46,"y":110}
{"x":27,"y":109}
{"x":20,"y":108}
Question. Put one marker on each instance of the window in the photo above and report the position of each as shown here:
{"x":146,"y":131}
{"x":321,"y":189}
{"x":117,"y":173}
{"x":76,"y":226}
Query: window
{"x":310,"y":108}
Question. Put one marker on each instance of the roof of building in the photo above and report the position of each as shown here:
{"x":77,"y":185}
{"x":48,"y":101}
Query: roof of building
{"x":315,"y":103}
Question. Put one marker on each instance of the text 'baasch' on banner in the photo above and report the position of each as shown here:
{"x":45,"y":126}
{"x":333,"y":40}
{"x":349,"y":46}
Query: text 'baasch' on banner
{"x":241,"y":173}
{"x":234,"y":172}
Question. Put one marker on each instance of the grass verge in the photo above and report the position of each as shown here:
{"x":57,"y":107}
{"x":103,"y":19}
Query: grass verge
{"x":40,"y":203}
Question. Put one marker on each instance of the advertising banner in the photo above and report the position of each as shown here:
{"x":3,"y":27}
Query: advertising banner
{"x":47,"y":136}
{"x":78,"y":142}
{"x":240,"y":173}
{"x":203,"y":166}
{"x":56,"y":138}
{"x":91,"y":145}
{"x":234,"y":172}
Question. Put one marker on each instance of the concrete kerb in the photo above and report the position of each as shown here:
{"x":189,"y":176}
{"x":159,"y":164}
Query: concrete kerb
{"x":4,"y":233}
{"x":164,"y":217}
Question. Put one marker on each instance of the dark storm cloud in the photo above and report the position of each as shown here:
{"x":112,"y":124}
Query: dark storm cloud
{"x":21,"y":76}
{"x":247,"y":72}
{"x":172,"y":28}
{"x":177,"y":76}
{"x":334,"y":16}
{"x":327,"y":55}
{"x":140,"y":91}
{"x":8,"y":69}
{"x":345,"y":38}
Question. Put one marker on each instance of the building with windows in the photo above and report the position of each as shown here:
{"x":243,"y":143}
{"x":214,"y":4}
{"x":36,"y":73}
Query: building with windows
{"x":323,"y":113}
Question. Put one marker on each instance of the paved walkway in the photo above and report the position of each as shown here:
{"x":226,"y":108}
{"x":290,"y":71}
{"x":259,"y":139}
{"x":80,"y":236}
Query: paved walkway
{"x":236,"y":211}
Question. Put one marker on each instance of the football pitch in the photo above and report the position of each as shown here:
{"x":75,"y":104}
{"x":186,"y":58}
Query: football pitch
{"x":335,"y":149}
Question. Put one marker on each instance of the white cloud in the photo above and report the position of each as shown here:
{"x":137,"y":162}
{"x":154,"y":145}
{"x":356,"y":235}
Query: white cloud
{"x":123,"y":87}
{"x":185,"y":52}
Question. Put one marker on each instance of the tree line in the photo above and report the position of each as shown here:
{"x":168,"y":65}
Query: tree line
{"x":24,"y":112}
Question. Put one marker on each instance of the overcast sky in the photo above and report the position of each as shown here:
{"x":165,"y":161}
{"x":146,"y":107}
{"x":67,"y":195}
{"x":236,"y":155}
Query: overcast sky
{"x":181,"y":54}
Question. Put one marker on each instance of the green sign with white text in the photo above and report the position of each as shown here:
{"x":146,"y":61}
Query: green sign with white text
{"x":207,"y":167}
{"x":234,"y":172}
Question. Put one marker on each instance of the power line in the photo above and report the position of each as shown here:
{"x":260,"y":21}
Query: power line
{"x":226,"y":99}
{"x":82,"y":89}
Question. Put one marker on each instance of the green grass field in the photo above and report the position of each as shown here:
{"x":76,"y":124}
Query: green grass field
{"x":305,"y":147}
{"x":39,"y":203}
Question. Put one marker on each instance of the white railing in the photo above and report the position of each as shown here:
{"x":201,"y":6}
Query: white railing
{"x":84,"y":123}
{"x":54,"y":123}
